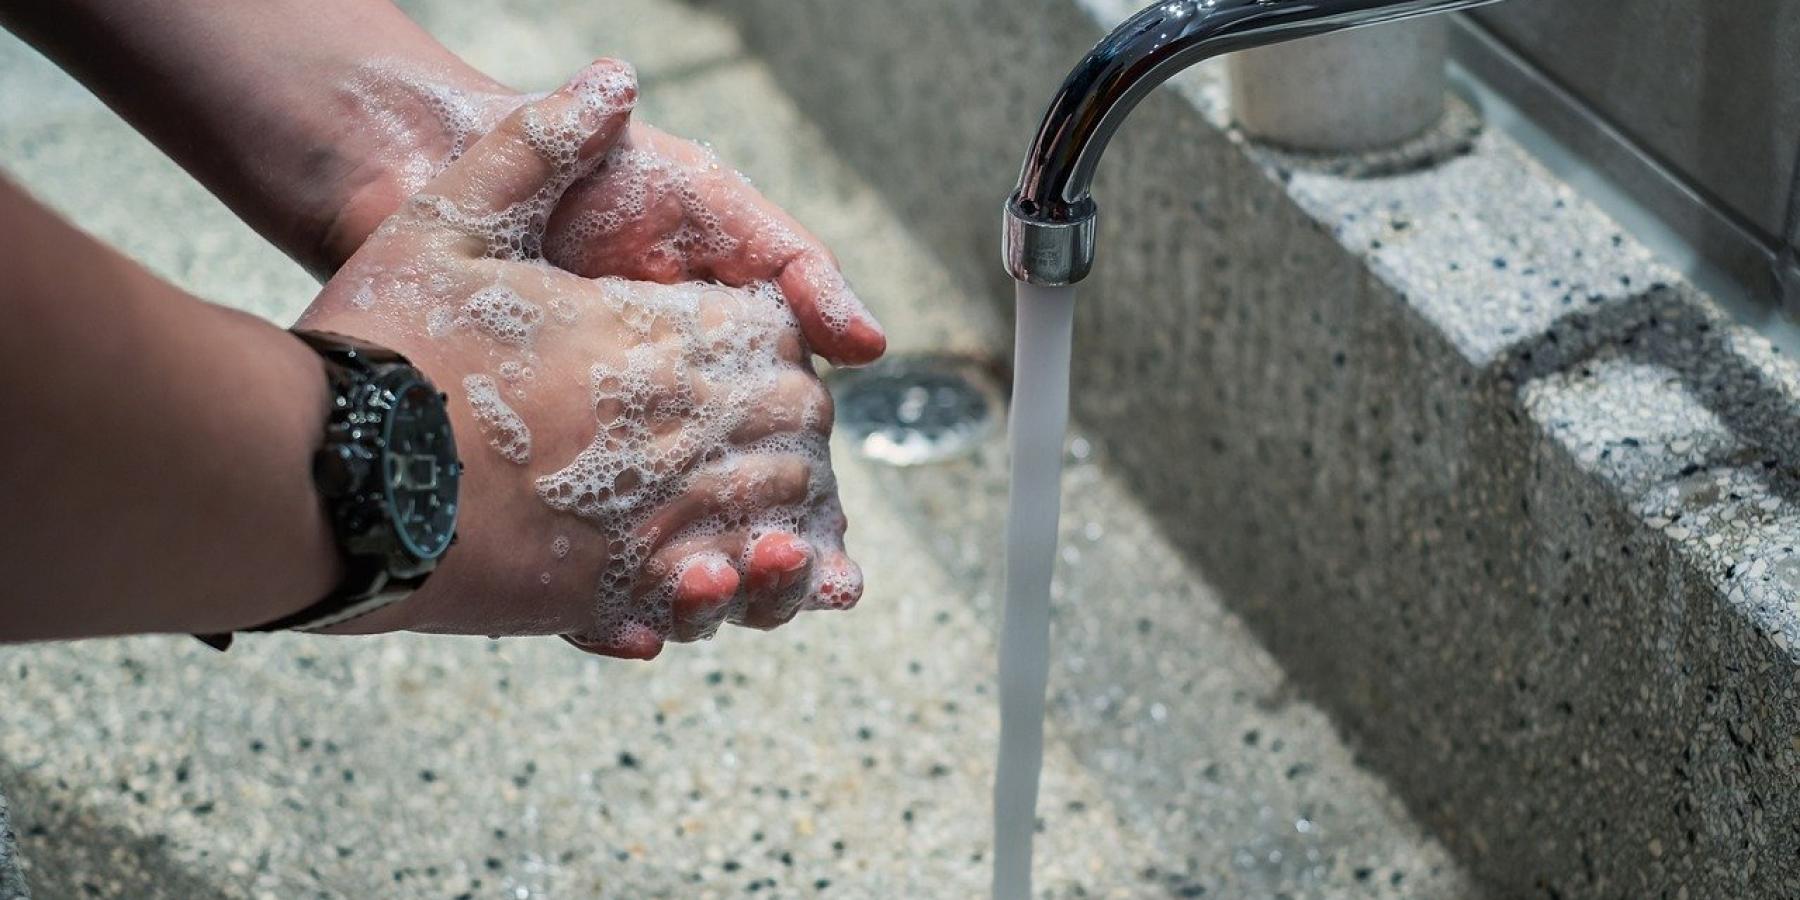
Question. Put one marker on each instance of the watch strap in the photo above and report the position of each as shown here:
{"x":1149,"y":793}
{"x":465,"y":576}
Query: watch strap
{"x":366,"y":587}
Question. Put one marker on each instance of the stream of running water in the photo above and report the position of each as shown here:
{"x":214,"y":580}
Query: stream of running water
{"x":1040,"y":417}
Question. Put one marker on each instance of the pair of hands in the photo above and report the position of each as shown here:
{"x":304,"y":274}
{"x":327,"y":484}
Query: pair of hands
{"x":624,"y":328}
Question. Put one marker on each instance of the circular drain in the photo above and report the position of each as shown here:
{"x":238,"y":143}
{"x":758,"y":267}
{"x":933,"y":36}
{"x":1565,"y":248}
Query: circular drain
{"x":912,"y":410}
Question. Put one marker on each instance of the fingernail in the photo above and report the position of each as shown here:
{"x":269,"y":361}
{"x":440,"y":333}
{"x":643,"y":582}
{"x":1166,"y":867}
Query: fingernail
{"x":792,"y":555}
{"x":638,"y":641}
{"x":706,"y":583}
{"x":802,"y":557}
{"x":866,"y":340}
{"x":606,"y":86}
{"x":779,"y":558}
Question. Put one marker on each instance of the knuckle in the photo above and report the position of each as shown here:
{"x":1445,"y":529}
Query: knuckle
{"x":790,"y":347}
{"x":805,"y":401}
{"x":796,"y":471}
{"x":515,"y":130}
{"x":783,"y":477}
{"x":817,"y":408}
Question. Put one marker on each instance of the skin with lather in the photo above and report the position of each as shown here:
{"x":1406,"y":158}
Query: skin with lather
{"x":624,"y":326}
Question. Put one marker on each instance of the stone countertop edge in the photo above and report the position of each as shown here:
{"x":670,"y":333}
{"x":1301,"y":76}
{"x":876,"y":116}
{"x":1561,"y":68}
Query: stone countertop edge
{"x":1522,"y":315}
{"x":1730,"y":408}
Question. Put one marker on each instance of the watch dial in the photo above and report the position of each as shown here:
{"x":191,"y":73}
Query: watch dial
{"x":421,"y":470}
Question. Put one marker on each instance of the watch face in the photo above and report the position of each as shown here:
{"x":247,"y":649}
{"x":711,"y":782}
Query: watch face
{"x":421,"y":471}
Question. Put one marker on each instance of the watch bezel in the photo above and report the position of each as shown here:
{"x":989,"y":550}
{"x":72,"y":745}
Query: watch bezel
{"x":395,"y":385}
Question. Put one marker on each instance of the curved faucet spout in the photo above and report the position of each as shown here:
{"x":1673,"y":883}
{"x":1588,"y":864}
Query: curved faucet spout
{"x":1049,"y":228}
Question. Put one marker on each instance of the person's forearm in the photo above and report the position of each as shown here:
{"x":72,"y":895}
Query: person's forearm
{"x":157,"y":464}
{"x":256,"y":100}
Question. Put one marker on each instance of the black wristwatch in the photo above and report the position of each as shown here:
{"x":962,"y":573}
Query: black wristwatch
{"x":388,"y":476}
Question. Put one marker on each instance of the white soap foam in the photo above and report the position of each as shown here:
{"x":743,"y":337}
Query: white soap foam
{"x":424,"y":121}
{"x":421,"y":121}
{"x":517,"y":375}
{"x":504,"y":430}
{"x":516,"y":232}
{"x":364,"y":295}
{"x":650,"y":428}
{"x":506,"y":317}
{"x":440,"y":321}
{"x":563,"y":312}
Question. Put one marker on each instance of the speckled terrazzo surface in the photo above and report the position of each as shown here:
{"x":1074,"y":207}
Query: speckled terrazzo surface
{"x":843,"y":756}
{"x":12,"y":881}
{"x":1499,"y":491}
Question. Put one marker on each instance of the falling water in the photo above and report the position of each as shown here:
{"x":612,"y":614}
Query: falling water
{"x":1040,"y":416}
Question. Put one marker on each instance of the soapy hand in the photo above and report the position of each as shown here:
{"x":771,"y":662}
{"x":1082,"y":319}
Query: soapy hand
{"x":656,"y":208}
{"x":665,"y":209}
{"x":645,"y":461}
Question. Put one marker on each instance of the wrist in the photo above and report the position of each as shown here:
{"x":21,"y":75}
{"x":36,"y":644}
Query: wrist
{"x":312,"y":563}
{"x":397,"y":125}
{"x":283,"y":554}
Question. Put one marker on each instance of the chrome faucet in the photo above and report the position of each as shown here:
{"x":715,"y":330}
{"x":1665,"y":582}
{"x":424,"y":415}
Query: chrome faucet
{"x":1049,"y":221}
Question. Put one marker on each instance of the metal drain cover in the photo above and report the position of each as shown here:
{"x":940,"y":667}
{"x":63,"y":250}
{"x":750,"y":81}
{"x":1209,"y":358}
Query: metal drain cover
{"x":913,"y":410}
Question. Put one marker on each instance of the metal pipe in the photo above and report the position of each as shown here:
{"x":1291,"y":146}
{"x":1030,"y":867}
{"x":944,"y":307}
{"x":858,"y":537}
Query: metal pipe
{"x":1049,"y":220}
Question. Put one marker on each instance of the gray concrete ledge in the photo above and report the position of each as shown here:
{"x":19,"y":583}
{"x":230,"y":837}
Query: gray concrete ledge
{"x":1510,"y":500}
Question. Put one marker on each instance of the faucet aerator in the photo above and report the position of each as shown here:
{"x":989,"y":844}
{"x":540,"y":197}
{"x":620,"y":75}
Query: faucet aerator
{"x":1046,"y":251}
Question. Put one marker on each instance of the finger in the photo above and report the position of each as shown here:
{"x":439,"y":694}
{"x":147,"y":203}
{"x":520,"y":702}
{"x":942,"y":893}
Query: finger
{"x":703,"y":596}
{"x":833,"y":318}
{"x":791,"y":349}
{"x":798,"y":404}
{"x":837,"y":583}
{"x":622,"y":220}
{"x":719,"y":308}
{"x":515,"y":174}
{"x":727,"y":495}
{"x":735,"y":236}
{"x":633,"y":640}
{"x":768,"y":244}
{"x":777,"y":562}
{"x":780,"y":571}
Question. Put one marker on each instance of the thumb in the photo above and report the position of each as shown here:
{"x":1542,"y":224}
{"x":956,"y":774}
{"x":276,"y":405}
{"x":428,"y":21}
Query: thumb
{"x":503,"y":188}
